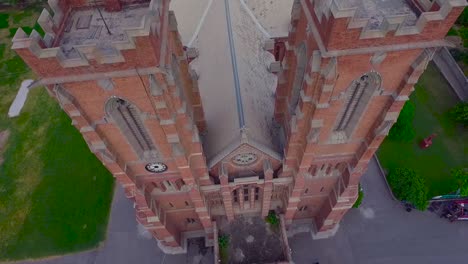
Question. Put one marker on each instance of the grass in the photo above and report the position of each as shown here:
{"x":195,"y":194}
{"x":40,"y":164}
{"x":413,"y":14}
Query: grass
{"x":27,"y":30}
{"x":55,"y":195}
{"x":433,"y":98}
{"x":2,"y":50}
{"x":4,"y":20}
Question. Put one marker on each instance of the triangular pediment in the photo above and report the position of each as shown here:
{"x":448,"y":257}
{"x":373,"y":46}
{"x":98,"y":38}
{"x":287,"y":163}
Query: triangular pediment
{"x":245,"y":155}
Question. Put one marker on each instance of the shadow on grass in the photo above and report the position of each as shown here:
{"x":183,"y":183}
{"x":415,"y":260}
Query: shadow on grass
{"x":69,"y":207}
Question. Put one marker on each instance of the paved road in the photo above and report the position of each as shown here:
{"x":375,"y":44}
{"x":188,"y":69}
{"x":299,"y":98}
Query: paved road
{"x":382,"y":232}
{"x":124,"y":245}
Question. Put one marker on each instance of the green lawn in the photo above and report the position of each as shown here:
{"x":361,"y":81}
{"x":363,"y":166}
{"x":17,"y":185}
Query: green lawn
{"x":433,"y":98}
{"x":55,"y":195}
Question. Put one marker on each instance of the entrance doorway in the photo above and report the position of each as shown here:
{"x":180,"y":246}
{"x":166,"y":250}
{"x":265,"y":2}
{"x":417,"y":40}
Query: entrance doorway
{"x":247,"y":199}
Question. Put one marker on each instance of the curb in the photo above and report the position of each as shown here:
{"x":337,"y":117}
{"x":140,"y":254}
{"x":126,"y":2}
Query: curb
{"x":385,"y":178}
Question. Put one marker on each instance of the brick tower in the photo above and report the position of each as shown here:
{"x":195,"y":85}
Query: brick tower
{"x":126,"y":85}
{"x":236,"y":123}
{"x":348,"y":69}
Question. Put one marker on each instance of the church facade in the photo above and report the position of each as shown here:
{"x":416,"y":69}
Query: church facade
{"x":230,"y":115}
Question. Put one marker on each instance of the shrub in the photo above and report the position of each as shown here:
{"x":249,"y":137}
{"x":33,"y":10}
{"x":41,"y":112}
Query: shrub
{"x":272,"y":219}
{"x":407,"y":185}
{"x":460,"y":55}
{"x":403,"y":130}
{"x":460,"y":113}
{"x":452,"y":32}
{"x":463,"y":19}
{"x":359,"y":199}
{"x":223,"y":241}
{"x":461,"y":178}
{"x":463,"y":32}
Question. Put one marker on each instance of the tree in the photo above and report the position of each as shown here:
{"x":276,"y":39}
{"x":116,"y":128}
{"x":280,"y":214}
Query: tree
{"x":403,"y":130}
{"x":461,"y":178}
{"x":460,"y":113}
{"x":463,"y":18}
{"x":407,"y":185}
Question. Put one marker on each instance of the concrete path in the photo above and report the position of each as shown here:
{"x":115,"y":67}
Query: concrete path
{"x":124,"y":244}
{"x":382,"y":232}
{"x":452,"y":73}
{"x":20,"y":99}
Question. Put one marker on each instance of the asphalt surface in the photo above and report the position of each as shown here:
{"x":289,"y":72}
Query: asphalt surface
{"x":379,"y":232}
{"x":382,"y":232}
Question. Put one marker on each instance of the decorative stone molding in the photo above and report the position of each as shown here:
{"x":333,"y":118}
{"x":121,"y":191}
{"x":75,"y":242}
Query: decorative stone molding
{"x":82,"y":53}
{"x":404,"y":24}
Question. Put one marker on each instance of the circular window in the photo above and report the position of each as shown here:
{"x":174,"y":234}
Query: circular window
{"x":244,"y":159}
{"x":156,"y":167}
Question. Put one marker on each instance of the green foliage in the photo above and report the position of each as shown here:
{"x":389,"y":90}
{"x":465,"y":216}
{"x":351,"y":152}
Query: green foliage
{"x":27,"y":30}
{"x":452,"y":32}
{"x":461,"y":177}
{"x":463,"y":19}
{"x":12,"y":68}
{"x":54,"y":191}
{"x":409,"y":186}
{"x":223,"y":241}
{"x":359,"y":199}
{"x":460,"y":113}
{"x":463,"y":32}
{"x":272,"y":219}
{"x":2,"y":50}
{"x":4,"y":20}
{"x":432,"y":99}
{"x":55,"y":195}
{"x":18,"y":16}
{"x":12,"y":32}
{"x":460,"y":55}
{"x":403,"y":130}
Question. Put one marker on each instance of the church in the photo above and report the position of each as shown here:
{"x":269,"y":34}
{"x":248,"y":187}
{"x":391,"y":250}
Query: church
{"x":207,"y":110}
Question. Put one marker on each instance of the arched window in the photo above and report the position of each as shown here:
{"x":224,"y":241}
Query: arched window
{"x":358,"y":96}
{"x":127,"y":118}
{"x":301,"y":65}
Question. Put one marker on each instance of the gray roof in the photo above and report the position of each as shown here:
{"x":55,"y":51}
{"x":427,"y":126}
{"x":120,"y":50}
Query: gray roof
{"x":236,"y":88}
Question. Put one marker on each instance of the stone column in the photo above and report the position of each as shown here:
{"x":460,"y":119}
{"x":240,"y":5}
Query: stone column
{"x":191,"y":183}
{"x":226,"y":192}
{"x":294,"y":198}
{"x":252,"y":196}
{"x":268,"y":188}
{"x":240,"y":194}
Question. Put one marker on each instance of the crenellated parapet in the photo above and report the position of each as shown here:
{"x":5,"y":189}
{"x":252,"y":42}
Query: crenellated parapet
{"x":378,"y":17}
{"x":76,"y":35}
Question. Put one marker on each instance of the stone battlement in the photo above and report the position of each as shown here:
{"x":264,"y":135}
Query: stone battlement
{"x":377,"y":17}
{"x":75,"y":35}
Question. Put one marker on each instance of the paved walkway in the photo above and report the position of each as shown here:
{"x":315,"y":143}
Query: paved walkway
{"x":382,"y":232}
{"x":124,"y":245}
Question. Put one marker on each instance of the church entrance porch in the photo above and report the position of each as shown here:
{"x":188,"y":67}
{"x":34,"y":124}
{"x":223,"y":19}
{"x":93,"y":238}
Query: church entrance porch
{"x":247,"y":199}
{"x":253,"y":240}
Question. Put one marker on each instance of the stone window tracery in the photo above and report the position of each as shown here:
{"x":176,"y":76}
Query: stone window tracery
{"x":358,"y":96}
{"x":301,"y":65}
{"x":127,"y":118}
